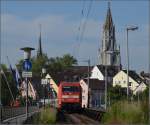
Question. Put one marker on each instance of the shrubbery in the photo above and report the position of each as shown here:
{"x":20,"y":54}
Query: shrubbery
{"x":124,"y":112}
{"x":46,"y":116}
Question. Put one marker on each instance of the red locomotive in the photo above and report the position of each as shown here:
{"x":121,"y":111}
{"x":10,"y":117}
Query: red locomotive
{"x":69,"y":96}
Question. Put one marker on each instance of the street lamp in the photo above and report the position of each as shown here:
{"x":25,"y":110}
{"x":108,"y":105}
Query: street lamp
{"x":44,"y":83}
{"x":27,"y":67}
{"x":48,"y":77}
{"x":129,"y":28}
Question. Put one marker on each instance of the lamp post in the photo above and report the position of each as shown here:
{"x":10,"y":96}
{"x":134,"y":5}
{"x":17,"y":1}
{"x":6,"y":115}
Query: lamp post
{"x":27,"y":67}
{"x":44,"y":83}
{"x":129,"y":28}
{"x":106,"y":87}
{"x":0,"y":86}
{"x":48,"y":77}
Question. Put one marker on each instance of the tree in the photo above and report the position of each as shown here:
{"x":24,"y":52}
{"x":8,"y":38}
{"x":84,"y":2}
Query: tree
{"x":53,"y":65}
{"x":117,"y":93}
{"x":38,"y":63}
{"x":59,"y":64}
{"x":68,"y":60}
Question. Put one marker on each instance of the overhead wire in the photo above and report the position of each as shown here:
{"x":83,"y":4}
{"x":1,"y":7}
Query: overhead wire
{"x":79,"y":28}
{"x":81,"y":35}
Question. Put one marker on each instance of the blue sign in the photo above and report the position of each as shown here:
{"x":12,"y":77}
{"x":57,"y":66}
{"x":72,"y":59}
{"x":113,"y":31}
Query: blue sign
{"x":27,"y":65}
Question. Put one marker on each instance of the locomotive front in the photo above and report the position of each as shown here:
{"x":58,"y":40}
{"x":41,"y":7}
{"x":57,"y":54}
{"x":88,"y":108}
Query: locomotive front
{"x":69,"y":96}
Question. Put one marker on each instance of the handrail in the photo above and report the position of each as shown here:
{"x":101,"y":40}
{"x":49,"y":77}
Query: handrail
{"x":9,"y":112}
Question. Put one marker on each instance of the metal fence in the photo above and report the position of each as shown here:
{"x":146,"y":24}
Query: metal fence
{"x":10,"y":112}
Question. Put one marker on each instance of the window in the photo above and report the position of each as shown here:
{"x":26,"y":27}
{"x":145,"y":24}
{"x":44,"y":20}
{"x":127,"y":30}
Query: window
{"x":130,"y":83}
{"x":70,"y":89}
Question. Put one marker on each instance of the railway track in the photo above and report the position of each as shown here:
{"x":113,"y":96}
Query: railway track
{"x":74,"y":118}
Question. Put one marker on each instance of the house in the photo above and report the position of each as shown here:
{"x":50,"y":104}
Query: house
{"x":100,"y":71}
{"x":52,"y":83}
{"x":136,"y":83}
{"x":96,"y":92}
{"x":140,"y":88}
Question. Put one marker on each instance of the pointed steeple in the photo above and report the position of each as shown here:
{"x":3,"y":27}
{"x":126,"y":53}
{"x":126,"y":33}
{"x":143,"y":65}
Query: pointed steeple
{"x":39,"y":52}
{"x":109,"y":22}
{"x":109,"y":51}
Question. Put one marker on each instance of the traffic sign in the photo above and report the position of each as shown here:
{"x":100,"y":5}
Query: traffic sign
{"x":44,"y":81}
{"x":26,"y":74}
{"x":27,"y":65}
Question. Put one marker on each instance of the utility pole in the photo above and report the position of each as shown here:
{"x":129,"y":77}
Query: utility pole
{"x":0,"y":86}
{"x":0,"y":79}
{"x":105,"y":87}
{"x":88,"y":80}
{"x":127,"y":68}
{"x":149,"y":67}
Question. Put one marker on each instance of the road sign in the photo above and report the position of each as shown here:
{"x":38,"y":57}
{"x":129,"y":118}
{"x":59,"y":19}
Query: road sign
{"x":27,"y":65}
{"x":26,"y":74}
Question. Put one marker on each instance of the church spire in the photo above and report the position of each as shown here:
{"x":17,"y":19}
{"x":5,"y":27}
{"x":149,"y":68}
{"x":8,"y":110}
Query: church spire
{"x":39,"y":52}
{"x":109,"y":22}
{"x":109,"y":52}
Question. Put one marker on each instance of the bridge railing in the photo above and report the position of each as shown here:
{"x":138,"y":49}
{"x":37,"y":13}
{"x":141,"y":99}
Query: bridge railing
{"x":10,"y":112}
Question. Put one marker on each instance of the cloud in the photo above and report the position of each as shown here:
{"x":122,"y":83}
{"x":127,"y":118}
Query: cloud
{"x":58,"y":35}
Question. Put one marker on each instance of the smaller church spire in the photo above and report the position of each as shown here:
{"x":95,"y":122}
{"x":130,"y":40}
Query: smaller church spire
{"x":39,"y":52}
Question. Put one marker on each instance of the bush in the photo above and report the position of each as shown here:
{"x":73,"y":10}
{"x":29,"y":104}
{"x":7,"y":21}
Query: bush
{"x":46,"y":116}
{"x":126,"y":113}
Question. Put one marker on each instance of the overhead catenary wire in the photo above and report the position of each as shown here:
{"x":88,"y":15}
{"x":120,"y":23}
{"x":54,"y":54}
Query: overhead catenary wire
{"x":79,"y":28}
{"x":83,"y":26}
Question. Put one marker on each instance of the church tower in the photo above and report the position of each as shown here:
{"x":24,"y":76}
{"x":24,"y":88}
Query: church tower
{"x":109,"y":52}
{"x":39,"y":51}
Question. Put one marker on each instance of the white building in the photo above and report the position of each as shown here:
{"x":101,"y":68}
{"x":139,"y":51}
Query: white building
{"x":100,"y":71}
{"x":136,"y":84}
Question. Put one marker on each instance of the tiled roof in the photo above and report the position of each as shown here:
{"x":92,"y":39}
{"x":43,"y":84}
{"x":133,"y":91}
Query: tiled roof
{"x":134,"y":76}
{"x":74,"y":73}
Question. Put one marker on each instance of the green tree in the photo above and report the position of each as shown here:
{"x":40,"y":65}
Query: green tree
{"x":58,"y":64}
{"x":39,"y":63}
{"x":116,"y":93}
{"x":68,"y":60}
{"x":53,"y":65}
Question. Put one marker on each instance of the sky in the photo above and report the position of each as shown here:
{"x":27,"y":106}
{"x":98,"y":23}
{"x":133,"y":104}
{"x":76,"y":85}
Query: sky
{"x":60,"y":22}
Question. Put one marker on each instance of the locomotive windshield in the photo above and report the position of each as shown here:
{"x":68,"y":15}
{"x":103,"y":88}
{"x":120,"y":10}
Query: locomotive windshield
{"x":70,"y":89}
